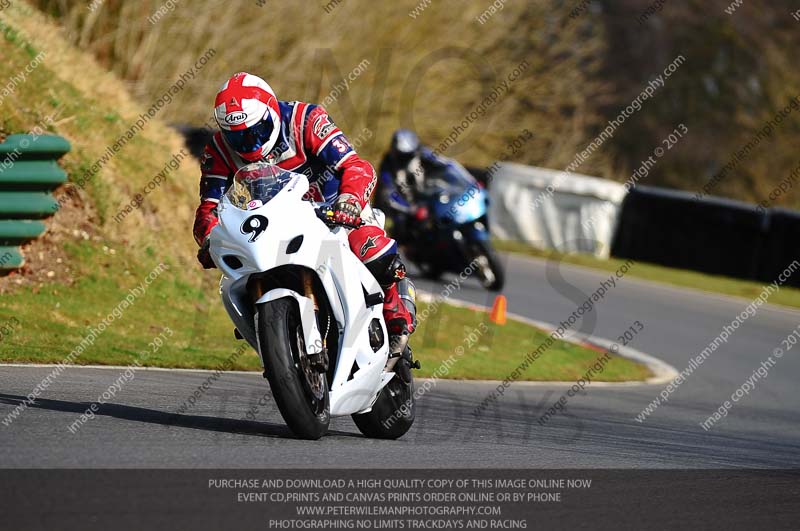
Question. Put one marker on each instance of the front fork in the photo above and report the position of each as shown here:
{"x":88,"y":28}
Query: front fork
{"x":466,"y":238}
{"x":319,"y":362}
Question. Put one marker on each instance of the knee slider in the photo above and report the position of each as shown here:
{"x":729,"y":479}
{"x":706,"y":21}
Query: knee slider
{"x":387,"y":269}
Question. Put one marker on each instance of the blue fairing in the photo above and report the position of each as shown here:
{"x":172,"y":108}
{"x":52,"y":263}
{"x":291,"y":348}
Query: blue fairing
{"x":462,"y":208}
{"x":461,"y":199}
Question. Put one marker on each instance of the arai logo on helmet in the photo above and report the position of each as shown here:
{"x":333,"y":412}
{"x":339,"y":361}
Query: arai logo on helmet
{"x":236,"y":118}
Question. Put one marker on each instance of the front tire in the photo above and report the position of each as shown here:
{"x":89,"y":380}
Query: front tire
{"x":300,"y":391}
{"x":393,"y":412}
{"x":490,"y":272}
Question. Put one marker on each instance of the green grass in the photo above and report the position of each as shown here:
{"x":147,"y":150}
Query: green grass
{"x":50,"y":319}
{"x":492,"y":352}
{"x":53,"y":320}
{"x":677,"y":277}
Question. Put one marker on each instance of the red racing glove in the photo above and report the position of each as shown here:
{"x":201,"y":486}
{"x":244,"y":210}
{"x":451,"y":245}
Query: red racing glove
{"x":204,"y":256}
{"x":204,"y":220}
{"x":346,"y":210}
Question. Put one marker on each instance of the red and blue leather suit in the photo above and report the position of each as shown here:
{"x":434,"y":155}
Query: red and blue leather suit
{"x":310,"y":143}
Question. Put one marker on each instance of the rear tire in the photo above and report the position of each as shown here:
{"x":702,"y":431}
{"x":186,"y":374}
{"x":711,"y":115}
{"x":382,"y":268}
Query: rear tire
{"x":393,"y":412}
{"x":300,"y":392}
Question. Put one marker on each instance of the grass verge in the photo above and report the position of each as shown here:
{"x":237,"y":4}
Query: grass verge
{"x":677,"y":277}
{"x":84,"y":267}
{"x":46,"y":324}
{"x":52,"y":320}
{"x":492,"y":352}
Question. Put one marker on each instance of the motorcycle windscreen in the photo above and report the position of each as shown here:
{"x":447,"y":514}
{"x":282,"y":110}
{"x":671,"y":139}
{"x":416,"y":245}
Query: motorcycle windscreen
{"x":473,"y":209}
{"x":256,"y":184}
{"x":462,"y":207}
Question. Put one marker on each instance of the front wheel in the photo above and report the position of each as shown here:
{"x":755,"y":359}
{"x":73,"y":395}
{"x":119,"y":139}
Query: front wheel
{"x":392,"y":413}
{"x":300,"y":390}
{"x":490,"y":272}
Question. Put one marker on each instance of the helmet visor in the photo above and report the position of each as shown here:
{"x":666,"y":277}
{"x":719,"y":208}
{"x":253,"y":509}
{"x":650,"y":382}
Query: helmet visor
{"x":250,"y":139}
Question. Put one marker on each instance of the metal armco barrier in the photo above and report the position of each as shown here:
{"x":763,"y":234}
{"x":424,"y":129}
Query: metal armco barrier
{"x":28,"y":173}
{"x":711,"y":235}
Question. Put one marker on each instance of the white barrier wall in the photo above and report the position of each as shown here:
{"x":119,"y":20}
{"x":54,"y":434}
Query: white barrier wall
{"x":554,"y":210}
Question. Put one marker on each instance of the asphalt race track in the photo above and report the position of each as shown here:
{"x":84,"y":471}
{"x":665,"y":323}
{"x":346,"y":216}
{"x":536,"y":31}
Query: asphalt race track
{"x":140,"y":426}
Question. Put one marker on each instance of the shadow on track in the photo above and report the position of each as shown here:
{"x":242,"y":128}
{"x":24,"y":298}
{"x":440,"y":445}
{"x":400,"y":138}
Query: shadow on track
{"x":153,"y":416}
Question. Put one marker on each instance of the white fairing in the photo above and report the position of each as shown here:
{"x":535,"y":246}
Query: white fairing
{"x":344,"y":277}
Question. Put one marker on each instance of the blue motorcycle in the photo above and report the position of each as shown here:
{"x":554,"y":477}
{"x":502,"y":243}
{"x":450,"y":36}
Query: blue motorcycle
{"x":455,"y":235}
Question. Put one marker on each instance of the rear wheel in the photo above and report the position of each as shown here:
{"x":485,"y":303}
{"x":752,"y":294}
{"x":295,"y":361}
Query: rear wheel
{"x":393,"y":412}
{"x":300,"y":390}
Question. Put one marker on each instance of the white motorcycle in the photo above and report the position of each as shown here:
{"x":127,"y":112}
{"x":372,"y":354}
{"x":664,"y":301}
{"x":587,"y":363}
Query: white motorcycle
{"x":310,"y":308}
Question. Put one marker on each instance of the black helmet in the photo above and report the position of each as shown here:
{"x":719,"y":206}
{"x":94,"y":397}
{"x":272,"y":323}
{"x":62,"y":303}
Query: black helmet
{"x":405,"y":144}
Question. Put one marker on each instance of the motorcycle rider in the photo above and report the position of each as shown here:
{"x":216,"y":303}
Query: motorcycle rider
{"x":403,"y":172}
{"x":301,"y":137}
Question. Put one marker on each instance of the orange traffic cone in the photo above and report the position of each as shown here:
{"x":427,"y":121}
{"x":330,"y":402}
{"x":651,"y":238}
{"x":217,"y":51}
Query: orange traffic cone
{"x":498,"y":314}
